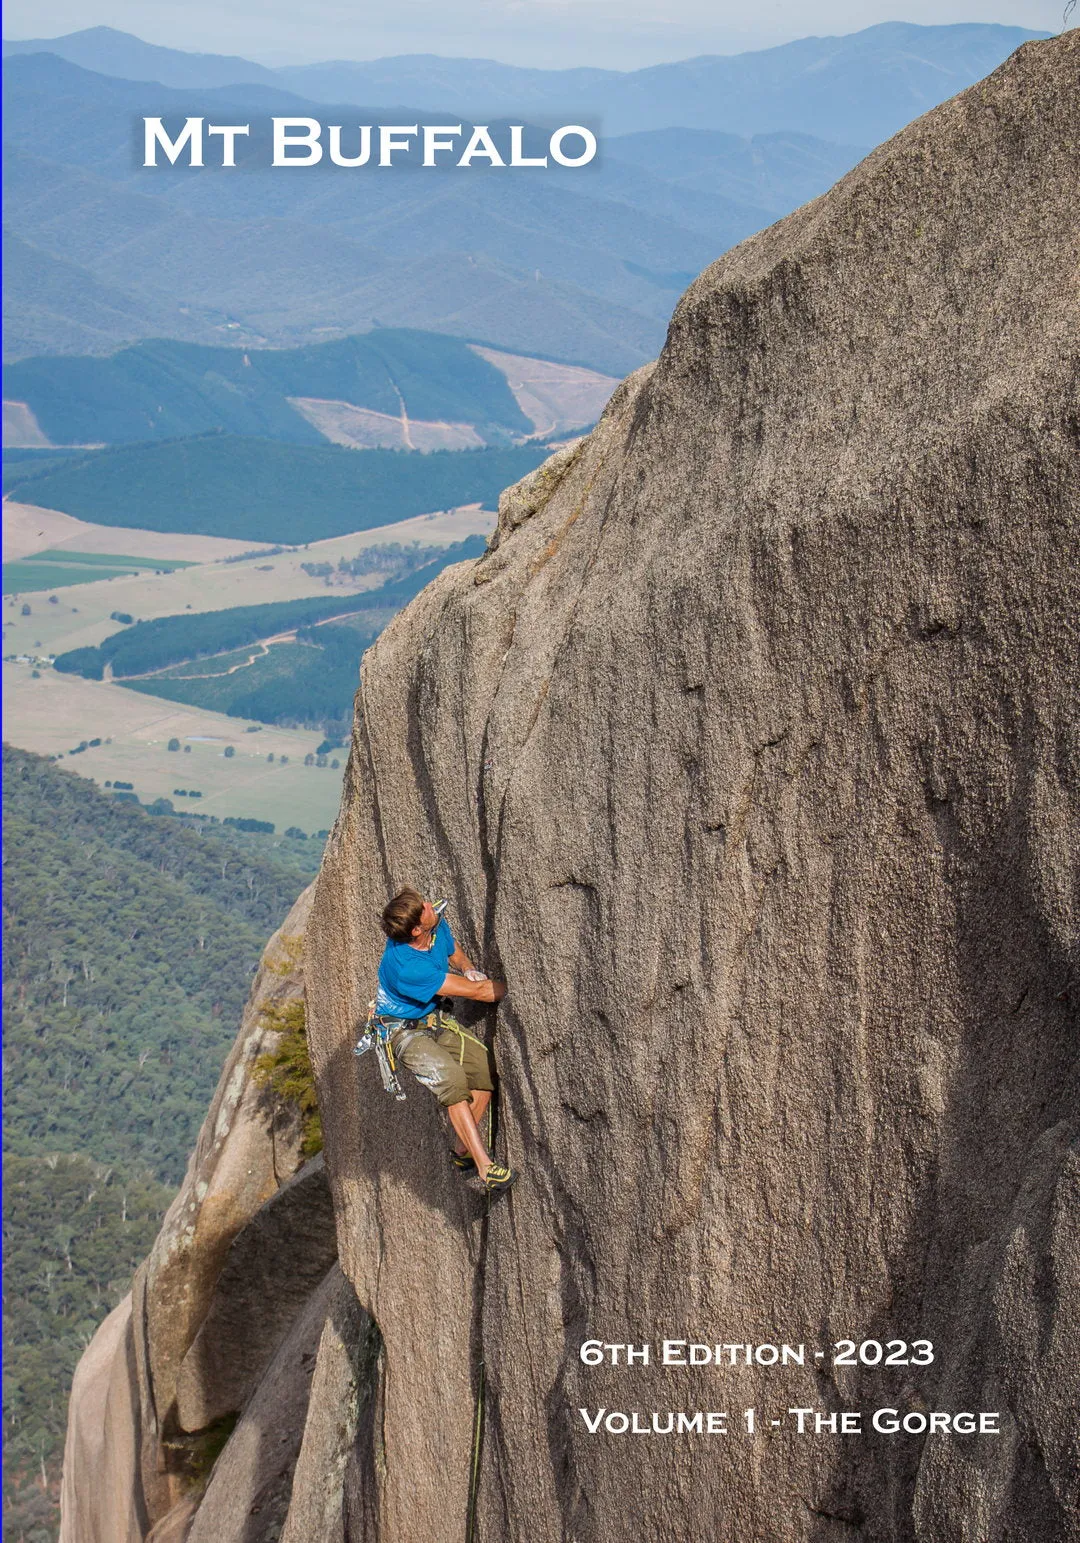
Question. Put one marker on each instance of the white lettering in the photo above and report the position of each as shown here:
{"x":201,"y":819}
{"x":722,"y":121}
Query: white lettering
{"x":154,"y":134}
{"x":435,"y":139}
{"x":593,"y":1425}
{"x":301,"y":134}
{"x":350,"y":160}
{"x":516,"y":157}
{"x":394,"y":136}
{"x":481,"y":144}
{"x":228,"y":132}
{"x":585,"y":135}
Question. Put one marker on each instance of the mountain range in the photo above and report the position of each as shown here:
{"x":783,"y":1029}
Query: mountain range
{"x":578,"y":267}
{"x":858,"y":88}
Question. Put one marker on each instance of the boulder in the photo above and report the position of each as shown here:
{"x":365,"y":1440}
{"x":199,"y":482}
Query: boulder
{"x":101,"y":1496}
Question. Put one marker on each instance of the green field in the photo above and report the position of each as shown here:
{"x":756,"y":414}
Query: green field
{"x":110,"y":559}
{"x":261,"y":490}
{"x":193,"y":389}
{"x":29,"y":577}
{"x":58,"y":569}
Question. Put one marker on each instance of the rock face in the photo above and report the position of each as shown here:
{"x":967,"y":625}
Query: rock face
{"x":749,"y":756}
{"x":244,"y":1250}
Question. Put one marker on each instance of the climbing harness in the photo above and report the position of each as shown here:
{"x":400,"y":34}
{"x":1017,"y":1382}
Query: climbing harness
{"x":377,"y":1034}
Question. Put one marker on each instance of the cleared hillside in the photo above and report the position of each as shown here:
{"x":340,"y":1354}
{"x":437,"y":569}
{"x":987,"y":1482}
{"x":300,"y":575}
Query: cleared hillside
{"x":168,"y":390}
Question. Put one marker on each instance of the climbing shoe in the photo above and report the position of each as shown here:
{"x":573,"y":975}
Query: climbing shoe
{"x":497,"y":1179}
{"x":462,"y":1161}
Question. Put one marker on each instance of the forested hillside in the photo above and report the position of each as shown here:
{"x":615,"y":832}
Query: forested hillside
{"x":129,"y":943}
{"x":264,"y":490}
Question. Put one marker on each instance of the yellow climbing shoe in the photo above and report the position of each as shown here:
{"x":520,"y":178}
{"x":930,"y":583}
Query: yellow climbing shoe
{"x":498,"y":1178}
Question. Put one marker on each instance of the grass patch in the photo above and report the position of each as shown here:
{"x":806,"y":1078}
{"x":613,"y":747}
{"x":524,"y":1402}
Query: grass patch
{"x":56,"y":569}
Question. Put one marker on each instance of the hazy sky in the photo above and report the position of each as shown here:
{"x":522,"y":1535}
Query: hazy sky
{"x":619,"y":34}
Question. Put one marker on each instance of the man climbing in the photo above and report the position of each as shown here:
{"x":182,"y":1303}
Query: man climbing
{"x":420,"y":963}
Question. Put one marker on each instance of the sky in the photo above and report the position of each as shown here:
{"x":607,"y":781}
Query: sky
{"x":614,"y":34}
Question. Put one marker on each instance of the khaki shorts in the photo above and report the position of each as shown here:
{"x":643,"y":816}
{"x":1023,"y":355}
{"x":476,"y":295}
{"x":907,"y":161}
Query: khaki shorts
{"x":451,"y":1061}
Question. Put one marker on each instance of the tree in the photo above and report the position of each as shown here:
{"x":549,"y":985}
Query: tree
{"x":26,"y":611}
{"x":230,"y":751}
{"x":187,"y":749}
{"x":174,"y":744}
{"x":270,"y":757}
{"x":309,"y":759}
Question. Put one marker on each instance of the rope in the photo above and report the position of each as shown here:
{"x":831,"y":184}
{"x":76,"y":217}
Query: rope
{"x":1070,"y":7}
{"x":474,"y":1473}
{"x":478,"y":1417}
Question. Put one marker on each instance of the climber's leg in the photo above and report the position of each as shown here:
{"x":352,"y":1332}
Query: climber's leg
{"x":468,"y":1134}
{"x":479,"y":1098}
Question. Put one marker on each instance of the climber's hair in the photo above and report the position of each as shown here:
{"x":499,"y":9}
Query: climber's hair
{"x":402,"y":915}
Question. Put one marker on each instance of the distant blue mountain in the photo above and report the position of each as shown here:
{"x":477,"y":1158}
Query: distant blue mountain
{"x":857,"y":89}
{"x":119,"y":53}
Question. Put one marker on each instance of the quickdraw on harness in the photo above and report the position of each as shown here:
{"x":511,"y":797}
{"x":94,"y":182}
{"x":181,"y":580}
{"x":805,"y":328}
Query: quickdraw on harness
{"x":376,"y":1036}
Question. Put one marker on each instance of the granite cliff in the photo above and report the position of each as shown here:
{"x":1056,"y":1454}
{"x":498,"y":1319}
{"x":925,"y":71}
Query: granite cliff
{"x":749,"y":755}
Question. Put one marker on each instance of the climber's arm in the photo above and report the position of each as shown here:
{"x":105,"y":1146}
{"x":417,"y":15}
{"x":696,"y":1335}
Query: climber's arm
{"x":474,"y":990}
{"x":459,"y":961}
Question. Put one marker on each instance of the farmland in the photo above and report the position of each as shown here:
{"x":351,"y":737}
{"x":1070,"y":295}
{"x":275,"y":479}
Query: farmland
{"x":55,"y":713}
{"x":52,"y":713}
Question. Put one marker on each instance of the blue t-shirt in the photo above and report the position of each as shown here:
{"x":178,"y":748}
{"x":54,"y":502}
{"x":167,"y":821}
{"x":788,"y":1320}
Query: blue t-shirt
{"x":409,"y":978}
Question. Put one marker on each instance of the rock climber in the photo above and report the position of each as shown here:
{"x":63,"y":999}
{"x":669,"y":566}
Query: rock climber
{"x":421,"y":962}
